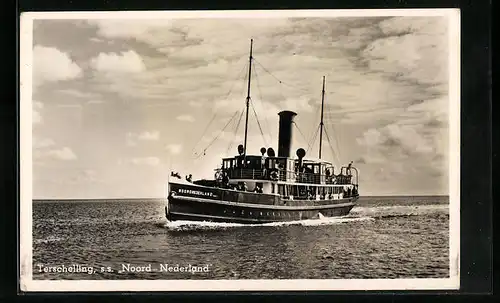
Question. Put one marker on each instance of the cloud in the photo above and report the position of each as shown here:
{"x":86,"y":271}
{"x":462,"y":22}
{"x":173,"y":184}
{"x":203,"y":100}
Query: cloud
{"x":36,"y":116}
{"x":42,"y":143}
{"x":85,"y":176}
{"x":77,"y":93}
{"x":299,"y":105}
{"x":195,"y":104}
{"x":70,"y":105}
{"x":51,"y":65}
{"x":397,"y":104}
{"x":129,"y":29}
{"x":125,"y":62}
{"x":149,"y":136}
{"x":151,"y":161}
{"x":64,"y":153}
{"x":420,"y":40}
{"x":132,"y":138}
{"x":185,"y":118}
{"x":405,"y":137}
{"x":174,"y":148}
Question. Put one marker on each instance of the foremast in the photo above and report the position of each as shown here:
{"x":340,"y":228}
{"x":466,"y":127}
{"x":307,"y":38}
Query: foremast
{"x":250,"y":58}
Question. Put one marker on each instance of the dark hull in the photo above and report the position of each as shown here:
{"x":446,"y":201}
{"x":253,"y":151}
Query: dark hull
{"x":197,"y":203}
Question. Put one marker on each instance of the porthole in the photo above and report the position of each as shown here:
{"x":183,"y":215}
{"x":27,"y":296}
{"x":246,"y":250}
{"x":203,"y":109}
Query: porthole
{"x":268,"y":214}
{"x":242,"y":212}
{"x":261,"y":213}
{"x":234,"y":212}
{"x":224,"y":211}
{"x":273,"y":214}
{"x":250,"y":212}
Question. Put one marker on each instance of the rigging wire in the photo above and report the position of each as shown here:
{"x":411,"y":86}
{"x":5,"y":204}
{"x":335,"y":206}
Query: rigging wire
{"x":314,"y":131}
{"x":336,"y":134}
{"x":258,"y":123}
{"x":235,"y":132}
{"x":216,"y":137}
{"x":216,"y":113}
{"x":301,"y":133}
{"x":313,"y":139}
{"x":331,"y":147}
{"x":204,"y":132}
{"x":261,"y":103}
{"x":280,"y":81}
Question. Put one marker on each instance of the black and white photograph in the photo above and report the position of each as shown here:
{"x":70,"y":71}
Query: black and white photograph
{"x":240,"y":150}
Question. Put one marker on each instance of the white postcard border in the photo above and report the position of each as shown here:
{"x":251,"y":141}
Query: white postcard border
{"x":25,"y":248}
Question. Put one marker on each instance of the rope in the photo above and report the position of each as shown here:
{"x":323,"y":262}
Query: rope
{"x":258,"y":123}
{"x":216,"y":137}
{"x":234,"y":134}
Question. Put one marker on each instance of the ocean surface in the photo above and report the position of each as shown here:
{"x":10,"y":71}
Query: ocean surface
{"x":382,"y":237}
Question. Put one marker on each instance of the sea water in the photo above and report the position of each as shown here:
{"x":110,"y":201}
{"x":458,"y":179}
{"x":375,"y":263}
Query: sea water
{"x":382,"y":237}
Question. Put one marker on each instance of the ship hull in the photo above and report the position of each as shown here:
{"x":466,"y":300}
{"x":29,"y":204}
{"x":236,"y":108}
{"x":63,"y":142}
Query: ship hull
{"x":198,"y":203}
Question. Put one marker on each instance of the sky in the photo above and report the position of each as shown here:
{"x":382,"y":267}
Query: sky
{"x":119,"y":103}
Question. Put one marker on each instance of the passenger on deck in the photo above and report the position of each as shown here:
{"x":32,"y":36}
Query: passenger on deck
{"x":189,"y":178}
{"x":242,"y":186}
{"x":348,"y":191}
{"x":309,"y":194}
{"x":225,"y":180}
{"x":175,"y":175}
{"x":349,"y":168}
{"x":328,"y":175}
{"x":258,"y":189}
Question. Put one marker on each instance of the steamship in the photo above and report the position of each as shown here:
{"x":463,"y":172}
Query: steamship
{"x":254,"y":189}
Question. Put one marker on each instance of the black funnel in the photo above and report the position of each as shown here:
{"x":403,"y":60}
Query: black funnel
{"x":285,"y":133}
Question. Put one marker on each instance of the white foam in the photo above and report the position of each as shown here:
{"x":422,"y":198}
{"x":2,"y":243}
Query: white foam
{"x":358,"y":213}
{"x":48,"y":240}
{"x":182,"y":225}
{"x":399,"y":210}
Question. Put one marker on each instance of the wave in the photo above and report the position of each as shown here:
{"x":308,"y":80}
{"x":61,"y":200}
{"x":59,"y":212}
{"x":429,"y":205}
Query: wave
{"x":48,"y":240}
{"x":378,"y":212}
{"x":357,"y":214}
{"x":194,"y":225}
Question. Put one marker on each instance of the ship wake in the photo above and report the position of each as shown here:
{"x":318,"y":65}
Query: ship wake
{"x":194,"y":225}
{"x":381,"y":212}
{"x":358,"y":214}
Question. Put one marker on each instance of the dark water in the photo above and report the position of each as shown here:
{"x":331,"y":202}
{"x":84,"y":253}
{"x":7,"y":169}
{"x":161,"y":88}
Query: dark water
{"x":383,"y":237}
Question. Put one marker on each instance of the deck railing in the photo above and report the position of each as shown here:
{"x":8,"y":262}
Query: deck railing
{"x":282,"y":175}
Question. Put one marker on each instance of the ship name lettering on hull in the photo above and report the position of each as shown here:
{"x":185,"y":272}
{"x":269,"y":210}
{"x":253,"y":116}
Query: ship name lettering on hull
{"x":196,"y":192}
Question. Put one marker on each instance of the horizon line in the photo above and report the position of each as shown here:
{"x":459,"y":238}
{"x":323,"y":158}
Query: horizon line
{"x":156,"y":198}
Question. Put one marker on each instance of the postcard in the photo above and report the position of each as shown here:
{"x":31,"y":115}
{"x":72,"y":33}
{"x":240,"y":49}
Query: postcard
{"x":240,"y":150}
